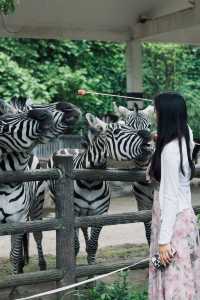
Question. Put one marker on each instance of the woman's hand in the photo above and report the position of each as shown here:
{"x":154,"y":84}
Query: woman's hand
{"x":165,"y":253}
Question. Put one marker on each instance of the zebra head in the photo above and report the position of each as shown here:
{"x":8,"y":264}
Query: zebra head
{"x":120,"y":142}
{"x":22,"y":131}
{"x":64,"y":114}
{"x":96,"y":142}
{"x":125,"y":143}
{"x":137,"y":119}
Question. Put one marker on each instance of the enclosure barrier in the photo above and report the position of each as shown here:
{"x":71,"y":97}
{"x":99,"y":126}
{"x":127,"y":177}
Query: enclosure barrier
{"x":64,"y":223}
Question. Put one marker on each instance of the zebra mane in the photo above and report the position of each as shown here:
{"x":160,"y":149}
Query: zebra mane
{"x":136,"y":108}
{"x":21,"y":103}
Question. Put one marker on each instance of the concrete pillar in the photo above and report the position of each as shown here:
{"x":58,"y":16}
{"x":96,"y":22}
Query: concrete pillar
{"x":134,"y":80}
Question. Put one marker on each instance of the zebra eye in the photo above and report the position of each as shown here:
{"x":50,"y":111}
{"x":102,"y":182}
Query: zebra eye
{"x":99,"y":128}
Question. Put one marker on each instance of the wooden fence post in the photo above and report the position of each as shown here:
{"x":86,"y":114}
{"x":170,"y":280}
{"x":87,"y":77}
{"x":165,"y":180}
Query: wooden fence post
{"x":65,"y":254}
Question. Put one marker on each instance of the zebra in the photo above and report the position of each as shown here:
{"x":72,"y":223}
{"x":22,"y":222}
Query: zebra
{"x":17,"y":145}
{"x":92,"y":243}
{"x":19,"y":135}
{"x":65,"y":115}
{"x":91,"y":197}
{"x":143,"y":191}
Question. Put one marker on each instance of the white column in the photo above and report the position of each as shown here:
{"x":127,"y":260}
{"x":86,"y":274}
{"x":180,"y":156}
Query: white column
{"x":134,"y":81}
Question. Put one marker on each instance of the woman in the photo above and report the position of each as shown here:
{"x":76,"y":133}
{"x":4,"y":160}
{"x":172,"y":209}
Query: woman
{"x":174,"y":224}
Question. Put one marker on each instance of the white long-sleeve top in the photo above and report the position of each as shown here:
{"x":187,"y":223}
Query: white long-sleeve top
{"x":174,"y":192}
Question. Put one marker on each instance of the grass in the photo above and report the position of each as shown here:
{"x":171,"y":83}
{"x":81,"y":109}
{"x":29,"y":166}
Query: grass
{"x":136,"y":280}
{"x":105,"y":255}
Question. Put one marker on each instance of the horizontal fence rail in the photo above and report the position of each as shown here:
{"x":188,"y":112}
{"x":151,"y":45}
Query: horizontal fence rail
{"x":55,"y":223}
{"x":87,"y":174}
{"x":31,"y":278}
{"x":25,"y":176}
{"x":91,"y":270}
{"x":31,"y":226}
{"x":115,"y":219}
{"x":81,"y":271}
{"x":115,"y":174}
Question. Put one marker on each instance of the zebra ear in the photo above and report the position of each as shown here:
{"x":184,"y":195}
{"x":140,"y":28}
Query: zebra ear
{"x":95,"y":123}
{"x":6,"y":108}
{"x":91,"y":119}
{"x":148,"y":111}
{"x":124,"y":112}
{"x":21,"y":103}
{"x":136,"y":108}
{"x":116,"y":109}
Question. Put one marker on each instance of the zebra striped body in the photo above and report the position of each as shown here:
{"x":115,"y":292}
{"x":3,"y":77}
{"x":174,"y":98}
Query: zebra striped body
{"x":143,"y":191}
{"x":18,"y":200}
{"x":90,"y":197}
{"x":114,"y":141}
{"x":19,"y":135}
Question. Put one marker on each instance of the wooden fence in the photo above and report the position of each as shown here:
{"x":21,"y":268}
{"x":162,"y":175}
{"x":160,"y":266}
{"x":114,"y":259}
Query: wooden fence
{"x":64,"y":222}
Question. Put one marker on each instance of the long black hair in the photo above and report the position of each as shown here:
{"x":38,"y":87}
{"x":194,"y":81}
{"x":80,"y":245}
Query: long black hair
{"x":171,"y":124}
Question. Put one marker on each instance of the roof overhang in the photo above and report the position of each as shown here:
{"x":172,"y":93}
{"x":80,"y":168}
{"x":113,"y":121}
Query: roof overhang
{"x":105,"y":20}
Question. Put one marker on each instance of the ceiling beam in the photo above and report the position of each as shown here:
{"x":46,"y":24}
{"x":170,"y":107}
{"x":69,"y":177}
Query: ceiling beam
{"x":49,"y":32}
{"x":180,"y":20}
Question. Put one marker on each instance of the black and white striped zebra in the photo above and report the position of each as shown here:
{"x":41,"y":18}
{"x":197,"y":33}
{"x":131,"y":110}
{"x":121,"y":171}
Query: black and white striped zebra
{"x":115,"y":141}
{"x":19,"y":135}
{"x":143,"y":191}
{"x":64,"y":115}
{"x":16,"y":145}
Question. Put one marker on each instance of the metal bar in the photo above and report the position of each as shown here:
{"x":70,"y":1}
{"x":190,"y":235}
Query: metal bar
{"x":84,"y":92}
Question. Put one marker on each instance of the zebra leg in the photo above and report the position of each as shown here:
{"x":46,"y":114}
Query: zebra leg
{"x":16,"y":254}
{"x":144,"y":197}
{"x":147,"y":225}
{"x":76,"y":242}
{"x":92,"y":245}
{"x":86,"y":236}
{"x":36,"y":214}
{"x":38,"y":239}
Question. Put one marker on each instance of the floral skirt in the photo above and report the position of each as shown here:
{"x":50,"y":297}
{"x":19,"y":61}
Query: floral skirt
{"x":181,"y":279}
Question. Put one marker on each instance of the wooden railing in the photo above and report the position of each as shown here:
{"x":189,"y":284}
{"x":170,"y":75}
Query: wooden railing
{"x":65,"y":223}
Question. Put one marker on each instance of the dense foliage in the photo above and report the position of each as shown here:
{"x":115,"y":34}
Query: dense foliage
{"x":119,"y":290}
{"x":174,"y":67}
{"x":7,"y":6}
{"x":55,"y":69}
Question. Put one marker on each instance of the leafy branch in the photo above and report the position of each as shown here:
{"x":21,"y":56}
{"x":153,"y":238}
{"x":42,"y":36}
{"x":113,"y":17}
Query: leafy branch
{"x":7,"y":6}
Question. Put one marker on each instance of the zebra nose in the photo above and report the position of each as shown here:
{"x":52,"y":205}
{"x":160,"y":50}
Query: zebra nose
{"x":71,"y":112}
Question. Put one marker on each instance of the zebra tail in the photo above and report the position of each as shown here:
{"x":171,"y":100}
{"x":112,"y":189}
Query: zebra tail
{"x":25,"y":243}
